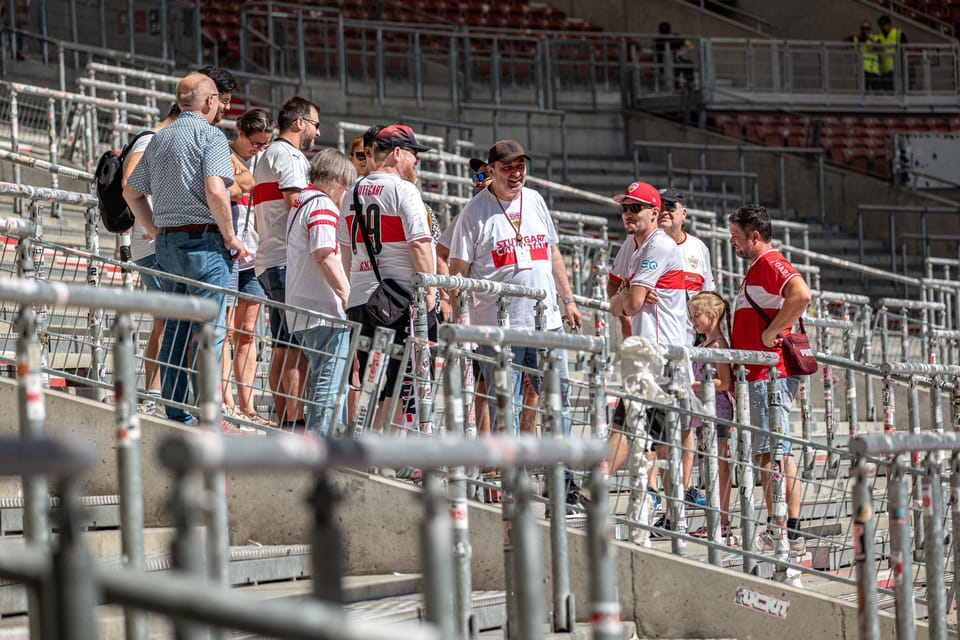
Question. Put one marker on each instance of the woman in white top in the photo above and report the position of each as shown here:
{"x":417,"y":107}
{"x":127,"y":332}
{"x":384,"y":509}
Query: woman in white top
{"x":254,"y":133}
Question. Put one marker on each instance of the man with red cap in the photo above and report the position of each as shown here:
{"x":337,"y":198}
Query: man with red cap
{"x":656,"y":265}
{"x":398,"y":228}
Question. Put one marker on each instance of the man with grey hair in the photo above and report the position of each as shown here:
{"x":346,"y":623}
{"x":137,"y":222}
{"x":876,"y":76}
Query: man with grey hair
{"x":187,"y":171}
{"x":317,"y":281}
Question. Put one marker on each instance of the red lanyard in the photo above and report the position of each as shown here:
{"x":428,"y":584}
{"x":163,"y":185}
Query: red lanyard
{"x":516,"y":225}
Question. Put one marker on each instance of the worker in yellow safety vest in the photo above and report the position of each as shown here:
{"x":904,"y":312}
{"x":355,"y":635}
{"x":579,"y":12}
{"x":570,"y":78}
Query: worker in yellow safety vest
{"x":866,"y":44}
{"x":887,"y":47}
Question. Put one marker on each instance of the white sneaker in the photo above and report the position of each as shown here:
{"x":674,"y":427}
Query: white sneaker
{"x":798,"y":546}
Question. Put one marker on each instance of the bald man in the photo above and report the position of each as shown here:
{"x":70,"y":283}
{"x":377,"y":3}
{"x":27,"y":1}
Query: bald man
{"x":186,"y":170}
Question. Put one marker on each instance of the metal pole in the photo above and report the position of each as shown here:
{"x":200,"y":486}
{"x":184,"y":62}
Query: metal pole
{"x":867,"y":332}
{"x":777,"y":482}
{"x":327,"y":542}
{"x":528,"y":564}
{"x":955,"y":513}
{"x":127,"y":422}
{"x":605,"y":605}
{"x":502,"y":387}
{"x":901,"y":561}
{"x":73,"y":569}
{"x":209,"y":401}
{"x":36,"y":526}
{"x":933,"y":522}
{"x":916,"y":490}
{"x":436,"y":543}
{"x":808,"y":461}
{"x":708,"y":438}
{"x":457,"y":495}
{"x":863,"y":543}
{"x":748,"y":517}
{"x":186,"y":548}
{"x":677,"y":508}
{"x":422,"y":382}
{"x":564,"y":610}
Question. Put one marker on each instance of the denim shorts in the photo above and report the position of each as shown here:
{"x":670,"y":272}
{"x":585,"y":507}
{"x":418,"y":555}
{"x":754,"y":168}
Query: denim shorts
{"x":247,"y":283}
{"x":274,"y":283}
{"x":759,"y":412}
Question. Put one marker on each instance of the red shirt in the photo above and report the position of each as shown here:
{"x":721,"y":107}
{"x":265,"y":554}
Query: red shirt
{"x":766,"y":278}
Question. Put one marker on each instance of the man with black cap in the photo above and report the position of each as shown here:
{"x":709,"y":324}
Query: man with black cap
{"x":505,"y":234}
{"x":481,"y":174}
{"x":398,"y":228}
{"x":697,"y":277}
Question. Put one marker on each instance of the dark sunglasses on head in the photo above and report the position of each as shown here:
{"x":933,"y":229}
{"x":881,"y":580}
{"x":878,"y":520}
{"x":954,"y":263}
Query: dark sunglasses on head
{"x":632,"y":208}
{"x":479,"y":177}
{"x":360,"y":155}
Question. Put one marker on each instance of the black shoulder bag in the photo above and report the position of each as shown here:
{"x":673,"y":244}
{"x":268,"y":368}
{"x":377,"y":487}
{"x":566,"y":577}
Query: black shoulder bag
{"x":795,"y":348}
{"x":391,"y":301}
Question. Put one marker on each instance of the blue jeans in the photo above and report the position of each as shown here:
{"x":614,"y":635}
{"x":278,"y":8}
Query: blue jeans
{"x":200,"y":257}
{"x":759,"y":412}
{"x":527,"y":356}
{"x":327,"y":349}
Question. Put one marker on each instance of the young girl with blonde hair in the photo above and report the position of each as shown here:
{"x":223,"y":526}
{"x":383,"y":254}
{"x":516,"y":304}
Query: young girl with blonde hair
{"x":710,"y":315}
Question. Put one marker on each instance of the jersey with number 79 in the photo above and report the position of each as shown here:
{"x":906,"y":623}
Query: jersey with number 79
{"x":395,"y":216}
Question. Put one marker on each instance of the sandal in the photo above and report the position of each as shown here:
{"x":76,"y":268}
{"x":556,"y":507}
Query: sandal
{"x":256,"y":418}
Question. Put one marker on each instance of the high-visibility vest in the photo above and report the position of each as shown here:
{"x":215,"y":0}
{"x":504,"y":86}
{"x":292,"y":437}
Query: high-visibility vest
{"x":888,"y":51}
{"x":871,"y":61}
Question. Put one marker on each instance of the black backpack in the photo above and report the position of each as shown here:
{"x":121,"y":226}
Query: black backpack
{"x":108,"y":179}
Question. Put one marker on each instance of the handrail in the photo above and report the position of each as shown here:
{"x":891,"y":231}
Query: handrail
{"x":451,"y":333}
{"x":97,"y":51}
{"x":80,"y":98}
{"x":210,"y":452}
{"x":491,"y":287}
{"x":30,"y":161}
{"x":50,"y":195}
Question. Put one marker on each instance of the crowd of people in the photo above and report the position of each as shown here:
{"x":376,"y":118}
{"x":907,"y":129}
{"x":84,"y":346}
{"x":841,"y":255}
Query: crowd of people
{"x":332,"y":234}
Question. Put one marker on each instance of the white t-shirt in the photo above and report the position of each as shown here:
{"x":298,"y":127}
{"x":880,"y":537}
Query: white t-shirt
{"x":140,"y":247}
{"x":282,"y":167}
{"x":251,"y":239}
{"x":314,"y":219}
{"x":658,"y":264}
{"x":697,"y":274}
{"x":485,"y":237}
{"x":395,"y":216}
{"x":620,"y":270}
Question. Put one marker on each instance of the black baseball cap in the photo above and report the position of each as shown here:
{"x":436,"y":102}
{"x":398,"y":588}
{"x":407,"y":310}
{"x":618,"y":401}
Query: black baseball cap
{"x":399,"y":135}
{"x":671,"y":195}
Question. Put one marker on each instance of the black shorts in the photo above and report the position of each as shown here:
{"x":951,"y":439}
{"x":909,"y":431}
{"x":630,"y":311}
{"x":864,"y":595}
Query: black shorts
{"x":656,"y":422}
{"x":400,"y":336}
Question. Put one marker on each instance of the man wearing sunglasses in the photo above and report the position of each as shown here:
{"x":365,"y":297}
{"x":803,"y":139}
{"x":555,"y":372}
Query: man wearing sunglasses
{"x":280,"y":175}
{"x":655,"y":266}
{"x":697,"y":277}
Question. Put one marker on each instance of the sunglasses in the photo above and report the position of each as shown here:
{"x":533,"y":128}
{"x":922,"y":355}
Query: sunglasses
{"x":633,"y":208}
{"x":315,"y":123}
{"x":416,"y":154}
{"x":669,"y":206}
{"x":479,"y":177}
{"x":360,"y":155}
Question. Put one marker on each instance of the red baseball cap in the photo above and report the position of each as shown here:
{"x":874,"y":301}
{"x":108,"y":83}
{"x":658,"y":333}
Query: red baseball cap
{"x":641,"y":192}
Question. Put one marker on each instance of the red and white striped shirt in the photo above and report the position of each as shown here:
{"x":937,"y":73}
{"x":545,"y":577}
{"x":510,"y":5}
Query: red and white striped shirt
{"x":658,"y":264}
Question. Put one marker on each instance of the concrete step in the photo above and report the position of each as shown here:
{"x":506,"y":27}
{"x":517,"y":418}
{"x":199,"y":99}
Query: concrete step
{"x":102,"y":512}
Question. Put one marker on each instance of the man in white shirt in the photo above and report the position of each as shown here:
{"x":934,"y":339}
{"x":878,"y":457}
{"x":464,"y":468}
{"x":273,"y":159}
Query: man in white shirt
{"x":697,"y":277}
{"x":281,"y":174}
{"x":398,"y":227}
{"x":656,"y":266}
{"x":505,"y":234}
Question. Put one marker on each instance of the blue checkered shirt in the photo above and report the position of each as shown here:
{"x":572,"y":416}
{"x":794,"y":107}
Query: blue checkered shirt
{"x":175,"y":165}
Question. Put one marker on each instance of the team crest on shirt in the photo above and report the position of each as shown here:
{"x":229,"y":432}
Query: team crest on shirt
{"x":694,"y":263}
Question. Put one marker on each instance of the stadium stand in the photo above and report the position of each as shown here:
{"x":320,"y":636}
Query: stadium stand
{"x":887,"y":339}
